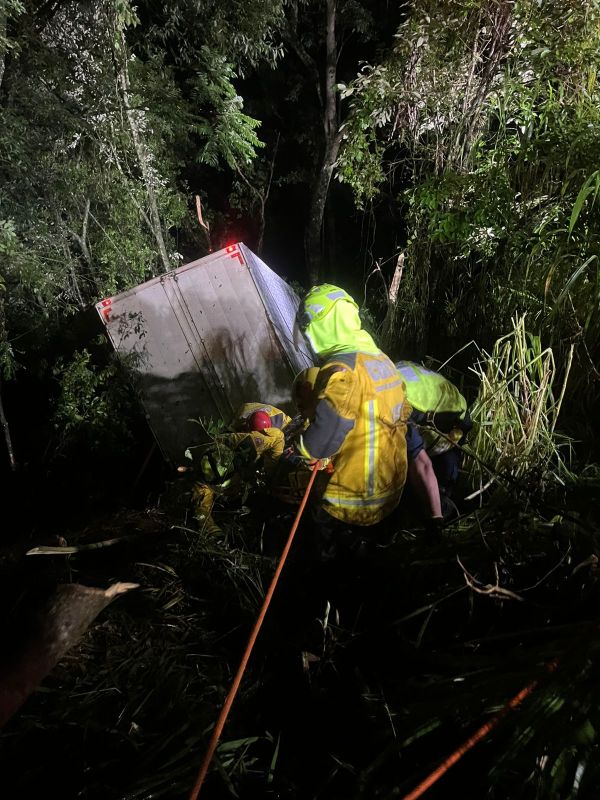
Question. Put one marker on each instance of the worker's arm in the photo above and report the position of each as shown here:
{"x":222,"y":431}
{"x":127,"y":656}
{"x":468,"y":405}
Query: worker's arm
{"x":274,"y":441}
{"x":422,"y":476}
{"x":332,"y":421}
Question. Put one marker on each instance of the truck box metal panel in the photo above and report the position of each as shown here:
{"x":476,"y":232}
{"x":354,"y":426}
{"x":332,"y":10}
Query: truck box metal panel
{"x":205,"y":338}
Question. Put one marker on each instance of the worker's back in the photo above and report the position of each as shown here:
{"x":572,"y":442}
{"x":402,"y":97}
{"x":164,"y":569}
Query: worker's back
{"x":366,"y":395}
{"x":432,"y":396}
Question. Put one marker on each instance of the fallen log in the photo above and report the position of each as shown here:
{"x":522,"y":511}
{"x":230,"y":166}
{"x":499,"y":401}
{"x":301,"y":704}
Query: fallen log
{"x":58,"y":626}
{"x":65,"y":550}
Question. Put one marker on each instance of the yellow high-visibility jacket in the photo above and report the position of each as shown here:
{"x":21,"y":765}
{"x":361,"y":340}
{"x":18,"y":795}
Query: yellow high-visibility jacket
{"x":279,"y":419}
{"x":437,"y":407}
{"x":360,"y":422}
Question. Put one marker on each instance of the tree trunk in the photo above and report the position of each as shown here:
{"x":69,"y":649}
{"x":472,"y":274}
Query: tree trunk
{"x":312,"y":238}
{"x":2,"y":39}
{"x":7,"y":437}
{"x":3,"y":420}
{"x":143,"y":157}
{"x":330,"y":237}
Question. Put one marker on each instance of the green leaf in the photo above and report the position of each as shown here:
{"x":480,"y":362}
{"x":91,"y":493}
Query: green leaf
{"x":584,"y":193}
{"x":574,"y":277}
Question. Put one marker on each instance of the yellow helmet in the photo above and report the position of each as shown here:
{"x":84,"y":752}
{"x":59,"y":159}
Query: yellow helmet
{"x":303,"y":390}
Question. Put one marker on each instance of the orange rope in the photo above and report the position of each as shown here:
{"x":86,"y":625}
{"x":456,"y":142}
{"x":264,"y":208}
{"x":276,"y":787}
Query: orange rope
{"x":476,"y":737}
{"x":247,"y":652}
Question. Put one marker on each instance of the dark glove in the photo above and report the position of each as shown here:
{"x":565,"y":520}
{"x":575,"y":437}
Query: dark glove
{"x":293,"y":428}
{"x":292,"y":457}
{"x":433,"y":530}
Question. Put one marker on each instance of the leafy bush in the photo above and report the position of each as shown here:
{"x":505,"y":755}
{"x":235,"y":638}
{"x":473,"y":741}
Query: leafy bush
{"x":95,"y":405}
{"x":484,"y":121}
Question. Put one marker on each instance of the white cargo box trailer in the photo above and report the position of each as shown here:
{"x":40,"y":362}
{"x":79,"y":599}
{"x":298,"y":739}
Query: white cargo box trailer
{"x":205,"y":338}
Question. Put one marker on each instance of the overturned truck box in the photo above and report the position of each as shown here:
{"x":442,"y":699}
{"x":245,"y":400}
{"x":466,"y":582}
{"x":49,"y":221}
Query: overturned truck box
{"x":205,"y":338}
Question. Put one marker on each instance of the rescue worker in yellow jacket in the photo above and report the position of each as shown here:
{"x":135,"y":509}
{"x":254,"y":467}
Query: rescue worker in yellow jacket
{"x":261,"y":440}
{"x":440,"y":412}
{"x":259,"y":443}
{"x":359,"y":416}
{"x":278,"y":418}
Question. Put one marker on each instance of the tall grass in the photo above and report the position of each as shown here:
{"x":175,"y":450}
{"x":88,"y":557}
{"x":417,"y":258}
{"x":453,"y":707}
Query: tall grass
{"x":516,"y":411}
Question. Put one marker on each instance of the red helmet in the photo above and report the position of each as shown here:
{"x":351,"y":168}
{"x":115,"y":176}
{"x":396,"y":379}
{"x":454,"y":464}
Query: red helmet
{"x":259,"y":421}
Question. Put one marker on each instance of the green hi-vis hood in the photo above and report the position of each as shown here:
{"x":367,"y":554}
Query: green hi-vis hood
{"x":331,"y":323}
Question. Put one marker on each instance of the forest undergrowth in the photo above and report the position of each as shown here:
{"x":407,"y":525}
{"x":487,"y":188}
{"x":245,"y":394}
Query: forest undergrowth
{"x":367,"y":674}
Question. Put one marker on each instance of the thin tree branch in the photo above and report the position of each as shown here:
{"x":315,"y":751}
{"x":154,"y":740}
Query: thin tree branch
{"x":494,"y":590}
{"x":290,"y":36}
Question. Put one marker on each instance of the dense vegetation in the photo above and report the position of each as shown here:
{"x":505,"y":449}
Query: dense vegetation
{"x":465,"y":135}
{"x":453,"y":145}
